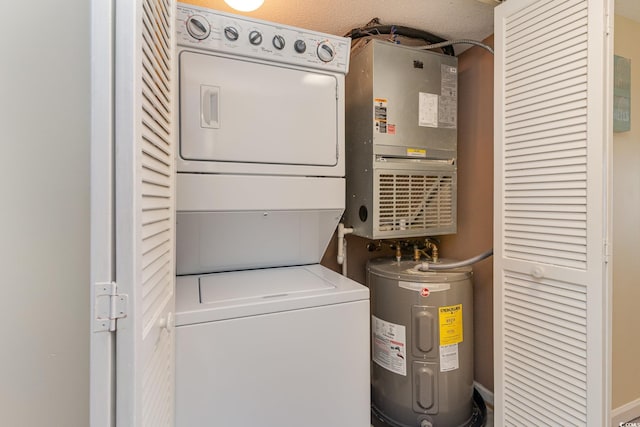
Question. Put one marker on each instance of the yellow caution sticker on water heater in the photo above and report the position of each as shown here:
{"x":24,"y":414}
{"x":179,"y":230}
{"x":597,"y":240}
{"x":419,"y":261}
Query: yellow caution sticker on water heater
{"x":450,"y":324}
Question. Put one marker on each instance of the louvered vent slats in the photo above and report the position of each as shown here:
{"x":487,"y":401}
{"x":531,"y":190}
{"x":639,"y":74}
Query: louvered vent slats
{"x":545,"y":136}
{"x":415,"y":202}
{"x":156,"y":152}
{"x":157,"y":399}
{"x":156,"y":184}
{"x":544,"y":213}
{"x":545,"y":348}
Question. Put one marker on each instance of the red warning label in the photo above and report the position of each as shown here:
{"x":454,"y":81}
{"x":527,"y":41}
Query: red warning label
{"x":425,"y":292}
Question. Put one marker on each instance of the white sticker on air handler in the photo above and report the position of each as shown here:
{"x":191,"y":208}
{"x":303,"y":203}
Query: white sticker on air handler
{"x":428,"y":110}
{"x":389,"y":345}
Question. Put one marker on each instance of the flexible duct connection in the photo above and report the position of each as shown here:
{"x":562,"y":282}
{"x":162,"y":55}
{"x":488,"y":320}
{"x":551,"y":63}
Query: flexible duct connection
{"x":433,"y":42}
{"x":374,"y":27}
{"x":426,"y":266}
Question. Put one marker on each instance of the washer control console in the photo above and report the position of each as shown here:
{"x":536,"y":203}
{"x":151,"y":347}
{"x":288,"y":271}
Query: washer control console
{"x":238,"y":35}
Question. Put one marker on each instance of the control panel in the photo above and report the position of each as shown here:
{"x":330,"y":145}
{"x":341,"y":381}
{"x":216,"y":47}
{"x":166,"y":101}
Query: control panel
{"x":238,"y":35}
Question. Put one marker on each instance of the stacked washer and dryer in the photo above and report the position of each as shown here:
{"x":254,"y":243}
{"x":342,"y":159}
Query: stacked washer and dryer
{"x":264,"y":334}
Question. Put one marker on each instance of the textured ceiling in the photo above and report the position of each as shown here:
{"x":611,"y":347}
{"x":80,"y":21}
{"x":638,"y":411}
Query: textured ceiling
{"x":449,"y":19}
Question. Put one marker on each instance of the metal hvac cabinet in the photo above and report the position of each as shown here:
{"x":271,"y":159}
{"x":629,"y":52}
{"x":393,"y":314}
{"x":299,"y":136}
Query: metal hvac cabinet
{"x":401,"y":141}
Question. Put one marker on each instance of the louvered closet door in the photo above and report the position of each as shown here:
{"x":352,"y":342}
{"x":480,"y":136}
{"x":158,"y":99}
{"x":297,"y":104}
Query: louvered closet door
{"x":145,"y":271}
{"x":551,"y":145}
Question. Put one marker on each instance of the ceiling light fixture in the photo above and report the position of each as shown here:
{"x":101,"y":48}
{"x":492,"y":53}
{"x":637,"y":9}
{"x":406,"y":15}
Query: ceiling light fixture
{"x":244,"y":5}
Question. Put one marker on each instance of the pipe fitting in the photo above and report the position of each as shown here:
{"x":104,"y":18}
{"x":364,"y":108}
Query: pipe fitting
{"x":416,"y":253}
{"x":429,"y":244}
{"x":342,"y":231}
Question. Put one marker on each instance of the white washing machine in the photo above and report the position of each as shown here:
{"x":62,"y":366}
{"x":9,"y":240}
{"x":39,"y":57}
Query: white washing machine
{"x":265,"y":335}
{"x":280,"y":347}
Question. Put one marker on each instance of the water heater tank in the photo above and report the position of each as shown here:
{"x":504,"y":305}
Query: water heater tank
{"x":422,"y":345}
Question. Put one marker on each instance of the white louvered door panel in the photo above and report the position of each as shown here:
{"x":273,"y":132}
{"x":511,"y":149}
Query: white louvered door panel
{"x":552,"y":136}
{"x":145,"y":211}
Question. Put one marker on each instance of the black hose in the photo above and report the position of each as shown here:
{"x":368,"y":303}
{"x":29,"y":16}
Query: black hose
{"x":402,"y":31}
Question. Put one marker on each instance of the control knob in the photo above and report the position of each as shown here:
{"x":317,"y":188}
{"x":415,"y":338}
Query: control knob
{"x":278,"y":42}
{"x":325,"y":52}
{"x":300,"y":46}
{"x":231,"y":33}
{"x":198,"y":27}
{"x":255,"y":37}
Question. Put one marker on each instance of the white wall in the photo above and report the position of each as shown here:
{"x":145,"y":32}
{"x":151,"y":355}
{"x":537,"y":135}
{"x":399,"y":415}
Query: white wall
{"x":44,"y":213}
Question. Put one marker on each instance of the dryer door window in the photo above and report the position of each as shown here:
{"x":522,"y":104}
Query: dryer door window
{"x":242,"y":111}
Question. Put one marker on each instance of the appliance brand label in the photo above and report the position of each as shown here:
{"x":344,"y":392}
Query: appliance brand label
{"x":448,"y":107}
{"x":389,"y":345}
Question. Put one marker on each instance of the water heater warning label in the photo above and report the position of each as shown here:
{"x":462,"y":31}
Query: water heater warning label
{"x":450,"y":324}
{"x":450,"y":319}
{"x":389,"y":345}
{"x":449,"y":359}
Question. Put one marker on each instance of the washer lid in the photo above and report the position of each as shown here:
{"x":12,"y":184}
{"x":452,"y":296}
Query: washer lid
{"x":229,"y":295}
{"x":247,"y":286}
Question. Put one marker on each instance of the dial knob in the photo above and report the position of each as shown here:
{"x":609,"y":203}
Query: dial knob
{"x":300,"y":46}
{"x":325,"y":52}
{"x":255,"y":37}
{"x":231,"y":33}
{"x":198,"y":27}
{"x":278,"y":42}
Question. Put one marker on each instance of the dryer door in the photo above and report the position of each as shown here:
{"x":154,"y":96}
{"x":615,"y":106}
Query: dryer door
{"x":245,"y":112}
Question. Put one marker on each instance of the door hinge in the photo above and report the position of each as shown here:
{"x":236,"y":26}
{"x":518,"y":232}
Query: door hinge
{"x":109,"y":306}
